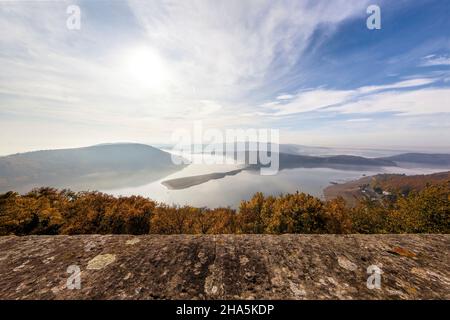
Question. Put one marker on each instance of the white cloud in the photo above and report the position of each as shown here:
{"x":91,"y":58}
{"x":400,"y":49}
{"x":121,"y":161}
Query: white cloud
{"x":285,"y":97}
{"x":368,"y":99}
{"x":204,"y":53}
{"x":424,"y":101}
{"x":310,"y":101}
{"x":434,"y":60}
{"x":359,"y":120}
{"x":398,"y":85}
{"x":227,"y":50}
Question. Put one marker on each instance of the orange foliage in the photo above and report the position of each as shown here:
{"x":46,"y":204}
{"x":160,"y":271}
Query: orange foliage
{"x":49,"y":211}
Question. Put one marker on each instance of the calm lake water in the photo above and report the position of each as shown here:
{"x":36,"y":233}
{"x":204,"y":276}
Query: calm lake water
{"x":230,"y":190}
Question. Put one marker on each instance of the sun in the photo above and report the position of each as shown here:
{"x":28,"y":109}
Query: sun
{"x":146,"y":68}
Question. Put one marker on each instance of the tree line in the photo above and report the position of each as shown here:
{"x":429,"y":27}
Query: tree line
{"x":50,"y":211}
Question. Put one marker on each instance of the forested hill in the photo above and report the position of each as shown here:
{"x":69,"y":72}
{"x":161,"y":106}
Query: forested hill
{"x":382,"y":185}
{"x":85,"y":168}
{"x":290,"y":160}
{"x":422,"y":158}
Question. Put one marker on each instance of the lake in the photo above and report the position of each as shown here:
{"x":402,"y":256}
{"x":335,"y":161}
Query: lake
{"x":230,"y":190}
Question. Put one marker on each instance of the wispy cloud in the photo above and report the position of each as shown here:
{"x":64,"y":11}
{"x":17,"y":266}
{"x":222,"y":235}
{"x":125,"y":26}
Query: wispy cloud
{"x":368,"y":99}
{"x":220,"y":53}
{"x":411,"y":83}
{"x":359,"y":120}
{"x":436,"y":60}
{"x":310,"y":100}
{"x":228,"y":51}
{"x":424,"y":101}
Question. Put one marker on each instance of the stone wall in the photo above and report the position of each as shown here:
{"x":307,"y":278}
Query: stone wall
{"x":224,"y":267}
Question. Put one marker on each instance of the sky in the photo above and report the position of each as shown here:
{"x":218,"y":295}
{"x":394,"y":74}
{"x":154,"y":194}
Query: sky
{"x":137,"y":70}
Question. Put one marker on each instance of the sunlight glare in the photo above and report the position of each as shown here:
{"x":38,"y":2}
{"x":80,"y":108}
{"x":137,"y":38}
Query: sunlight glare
{"x":146,"y":69}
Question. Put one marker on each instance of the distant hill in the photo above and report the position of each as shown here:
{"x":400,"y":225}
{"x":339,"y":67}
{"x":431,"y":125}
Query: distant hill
{"x":296,"y":149}
{"x":288,"y":161}
{"x":302,"y":150}
{"x":101,"y":166}
{"x":292,"y":161}
{"x":422,"y":158}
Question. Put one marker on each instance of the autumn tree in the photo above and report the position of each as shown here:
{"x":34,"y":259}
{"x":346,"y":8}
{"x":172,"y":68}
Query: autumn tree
{"x":50,"y":211}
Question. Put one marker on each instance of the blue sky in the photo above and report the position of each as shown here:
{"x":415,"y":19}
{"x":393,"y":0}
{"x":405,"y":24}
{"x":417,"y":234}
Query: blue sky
{"x":138,"y":70}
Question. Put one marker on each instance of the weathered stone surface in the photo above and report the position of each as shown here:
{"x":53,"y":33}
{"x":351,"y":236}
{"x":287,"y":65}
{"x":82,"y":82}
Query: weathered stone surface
{"x":225,"y":267}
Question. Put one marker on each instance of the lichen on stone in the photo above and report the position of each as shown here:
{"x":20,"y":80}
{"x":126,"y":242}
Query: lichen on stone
{"x":101,"y":261}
